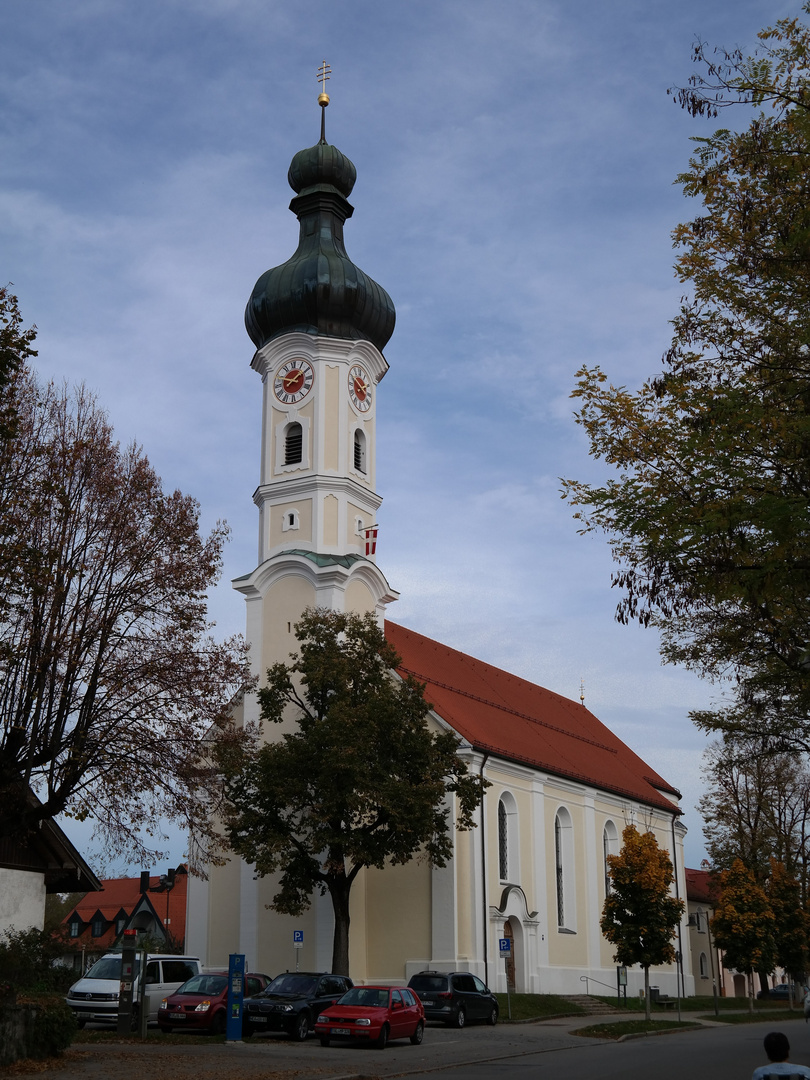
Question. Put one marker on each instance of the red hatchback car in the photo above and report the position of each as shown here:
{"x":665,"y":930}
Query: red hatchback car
{"x":200,"y":1003}
{"x":373,"y":1014}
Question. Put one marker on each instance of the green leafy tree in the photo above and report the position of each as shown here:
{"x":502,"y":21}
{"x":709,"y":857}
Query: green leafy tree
{"x":709,"y":515}
{"x":111,"y":685}
{"x":361,"y":781}
{"x":743,"y":924}
{"x":640,"y":916}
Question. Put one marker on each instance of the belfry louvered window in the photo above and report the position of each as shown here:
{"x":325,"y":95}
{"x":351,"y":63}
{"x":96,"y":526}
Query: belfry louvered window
{"x":359,"y":451}
{"x":293,"y":444}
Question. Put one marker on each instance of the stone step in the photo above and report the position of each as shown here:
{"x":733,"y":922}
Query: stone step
{"x":590,"y":1004}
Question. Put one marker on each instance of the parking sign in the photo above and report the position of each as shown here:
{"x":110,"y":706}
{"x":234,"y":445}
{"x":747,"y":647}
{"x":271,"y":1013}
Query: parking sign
{"x":298,"y":939}
{"x":505,"y":946}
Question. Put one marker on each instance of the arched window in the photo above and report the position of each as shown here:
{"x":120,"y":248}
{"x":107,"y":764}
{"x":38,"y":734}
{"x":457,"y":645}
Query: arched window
{"x":359,"y":450}
{"x":704,"y":966}
{"x":610,"y":846}
{"x":503,"y":842}
{"x":508,"y":839}
{"x":564,"y":870}
{"x":293,"y":444}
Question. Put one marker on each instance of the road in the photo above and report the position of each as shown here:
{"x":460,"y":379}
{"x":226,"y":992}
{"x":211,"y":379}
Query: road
{"x":507,"y":1052}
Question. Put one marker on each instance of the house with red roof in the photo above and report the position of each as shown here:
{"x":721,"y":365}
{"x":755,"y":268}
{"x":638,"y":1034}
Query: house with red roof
{"x":562,"y":785}
{"x":153,"y":905}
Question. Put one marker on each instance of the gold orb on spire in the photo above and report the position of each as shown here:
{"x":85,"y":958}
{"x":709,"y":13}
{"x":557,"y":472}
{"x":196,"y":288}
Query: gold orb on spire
{"x":324,"y":73}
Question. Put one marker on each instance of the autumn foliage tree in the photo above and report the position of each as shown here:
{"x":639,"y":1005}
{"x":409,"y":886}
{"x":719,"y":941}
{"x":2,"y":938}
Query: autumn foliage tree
{"x":640,"y":916}
{"x":360,"y":781}
{"x":790,"y":922}
{"x":708,"y":511}
{"x":111,"y":686}
{"x":743,"y":924}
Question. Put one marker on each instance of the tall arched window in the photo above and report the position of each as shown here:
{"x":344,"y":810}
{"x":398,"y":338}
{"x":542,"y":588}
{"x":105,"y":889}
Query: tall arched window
{"x":503,"y":842}
{"x":293,"y":444}
{"x":564,"y":870}
{"x":704,"y":966}
{"x":359,"y":450}
{"x":508,"y":839}
{"x":610,"y":846}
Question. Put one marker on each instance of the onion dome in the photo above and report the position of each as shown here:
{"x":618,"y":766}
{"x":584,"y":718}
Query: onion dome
{"x":320,"y":290}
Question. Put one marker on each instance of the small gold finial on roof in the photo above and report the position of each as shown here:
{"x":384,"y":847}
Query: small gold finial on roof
{"x":582,"y":691}
{"x":324,"y":73}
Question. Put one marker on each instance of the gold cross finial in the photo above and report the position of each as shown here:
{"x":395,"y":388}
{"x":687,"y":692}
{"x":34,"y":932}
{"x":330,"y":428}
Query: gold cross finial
{"x":324,"y":73}
{"x":582,"y":691}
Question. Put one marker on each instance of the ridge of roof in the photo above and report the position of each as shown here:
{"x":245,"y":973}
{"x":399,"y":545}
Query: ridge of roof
{"x":506,"y":708}
{"x":504,"y":714}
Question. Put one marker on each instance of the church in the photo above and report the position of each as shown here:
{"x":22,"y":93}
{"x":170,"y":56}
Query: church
{"x":562,"y":786}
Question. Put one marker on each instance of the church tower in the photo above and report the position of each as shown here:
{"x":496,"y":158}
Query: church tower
{"x":319,"y":325}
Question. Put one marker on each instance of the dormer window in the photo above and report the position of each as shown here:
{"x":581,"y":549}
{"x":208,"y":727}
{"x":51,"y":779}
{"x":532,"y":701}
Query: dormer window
{"x":97,"y":927}
{"x":74,"y":927}
{"x":293,"y":444}
{"x":360,"y":450}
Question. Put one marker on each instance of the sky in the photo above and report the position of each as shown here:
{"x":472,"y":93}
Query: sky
{"x":515,"y":197}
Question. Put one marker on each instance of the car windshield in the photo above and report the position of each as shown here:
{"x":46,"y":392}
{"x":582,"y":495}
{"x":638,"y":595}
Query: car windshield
{"x":421,"y":983}
{"x":204,"y":984}
{"x":370,"y":997}
{"x":109,"y":967}
{"x":292,"y":984}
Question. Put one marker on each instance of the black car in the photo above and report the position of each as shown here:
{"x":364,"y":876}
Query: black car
{"x":454,"y":997}
{"x":292,"y":1003}
{"x":781,"y":993}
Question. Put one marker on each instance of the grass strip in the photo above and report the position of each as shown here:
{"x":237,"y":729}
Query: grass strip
{"x":535,"y":1007}
{"x":632,"y":1027}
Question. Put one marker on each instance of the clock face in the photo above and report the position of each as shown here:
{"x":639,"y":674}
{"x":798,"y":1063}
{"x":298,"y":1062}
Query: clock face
{"x":293,"y":381}
{"x":359,"y":388}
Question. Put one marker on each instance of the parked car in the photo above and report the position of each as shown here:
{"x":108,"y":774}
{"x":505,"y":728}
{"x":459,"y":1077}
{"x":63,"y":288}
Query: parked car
{"x":200,"y":1003}
{"x":291,"y":1002}
{"x":95,"y":996}
{"x":454,"y":997}
{"x":782,"y":993}
{"x":373,"y":1014}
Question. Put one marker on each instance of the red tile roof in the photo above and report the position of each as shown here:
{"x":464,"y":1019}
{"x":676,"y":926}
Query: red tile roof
{"x":118,"y":893}
{"x":502,"y":714}
{"x":700,"y":886}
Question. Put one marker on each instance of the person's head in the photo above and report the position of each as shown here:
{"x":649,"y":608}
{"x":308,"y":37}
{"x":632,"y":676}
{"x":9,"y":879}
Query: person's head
{"x":776,"y":1046}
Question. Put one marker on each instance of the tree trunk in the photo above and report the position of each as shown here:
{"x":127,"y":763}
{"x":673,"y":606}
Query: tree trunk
{"x":646,"y":993}
{"x":339,"y":891}
{"x":751,"y":993}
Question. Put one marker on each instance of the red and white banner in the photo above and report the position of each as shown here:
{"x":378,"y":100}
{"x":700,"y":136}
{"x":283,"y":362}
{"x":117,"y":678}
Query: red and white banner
{"x":371,"y":540}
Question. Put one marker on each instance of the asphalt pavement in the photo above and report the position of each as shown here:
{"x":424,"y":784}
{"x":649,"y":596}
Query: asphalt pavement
{"x":506,"y":1052}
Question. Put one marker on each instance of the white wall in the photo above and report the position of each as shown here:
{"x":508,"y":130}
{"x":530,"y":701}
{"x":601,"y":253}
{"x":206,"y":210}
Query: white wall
{"x":22,"y":900}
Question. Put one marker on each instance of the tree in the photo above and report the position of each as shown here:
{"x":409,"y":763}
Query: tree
{"x":640,"y":916}
{"x":790,"y":922}
{"x":361,"y":781}
{"x":743,"y":924}
{"x":111,"y":687}
{"x":757,"y":806}
{"x":709,"y":517}
{"x":16,"y":348}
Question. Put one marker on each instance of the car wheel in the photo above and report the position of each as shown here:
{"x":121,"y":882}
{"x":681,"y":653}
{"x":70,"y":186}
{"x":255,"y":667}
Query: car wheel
{"x":324,"y":1041}
{"x":165,"y":1029}
{"x":419,"y":1034}
{"x":247,"y":1031}
{"x":301,"y":1029}
{"x":218,"y":1024}
{"x":492,"y":1019}
{"x":80,"y":1023}
{"x":382,"y":1039}
{"x":460,"y":1019}
{"x":133,"y":1024}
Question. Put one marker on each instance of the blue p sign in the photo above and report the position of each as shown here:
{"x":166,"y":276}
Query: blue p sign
{"x":505,"y":946}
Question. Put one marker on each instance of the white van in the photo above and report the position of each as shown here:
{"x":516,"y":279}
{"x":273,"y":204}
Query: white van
{"x":94,"y":998}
